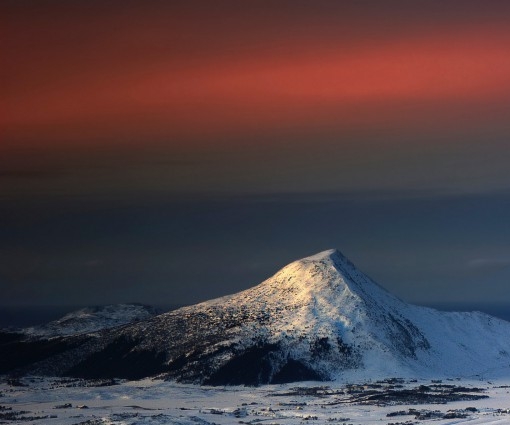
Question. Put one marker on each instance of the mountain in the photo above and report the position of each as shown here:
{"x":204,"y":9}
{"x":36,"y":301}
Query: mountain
{"x":318,"y":318}
{"x":21,"y":347}
{"x":92,"y":319}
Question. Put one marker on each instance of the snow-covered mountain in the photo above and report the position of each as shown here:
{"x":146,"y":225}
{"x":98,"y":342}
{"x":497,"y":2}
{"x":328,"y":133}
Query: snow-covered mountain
{"x":92,"y":319}
{"x":318,"y":318}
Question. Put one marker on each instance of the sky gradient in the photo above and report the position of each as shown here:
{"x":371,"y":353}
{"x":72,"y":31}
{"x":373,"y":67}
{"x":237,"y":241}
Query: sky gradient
{"x":250,"y":134}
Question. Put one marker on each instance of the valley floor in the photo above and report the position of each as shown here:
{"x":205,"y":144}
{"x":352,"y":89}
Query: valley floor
{"x":35,"y":400}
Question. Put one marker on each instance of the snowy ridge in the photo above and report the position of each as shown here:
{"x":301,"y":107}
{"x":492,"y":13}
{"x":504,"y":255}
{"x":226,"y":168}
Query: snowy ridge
{"x":92,"y":319}
{"x":318,"y":318}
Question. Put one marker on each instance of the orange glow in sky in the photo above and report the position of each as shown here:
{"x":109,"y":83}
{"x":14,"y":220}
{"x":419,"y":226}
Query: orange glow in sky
{"x":137,"y":82}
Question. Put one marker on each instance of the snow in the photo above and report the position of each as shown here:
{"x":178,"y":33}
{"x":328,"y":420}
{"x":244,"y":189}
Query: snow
{"x":319,"y":298}
{"x":60,"y":402}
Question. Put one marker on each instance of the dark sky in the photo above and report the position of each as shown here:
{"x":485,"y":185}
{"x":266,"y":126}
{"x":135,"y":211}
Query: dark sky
{"x":167,"y":152}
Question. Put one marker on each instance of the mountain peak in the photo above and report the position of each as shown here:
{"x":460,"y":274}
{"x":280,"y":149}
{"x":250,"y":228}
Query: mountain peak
{"x":333,"y":258}
{"x":330,"y":255}
{"x":327,"y":254}
{"x":328,"y":274}
{"x":318,"y":318}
